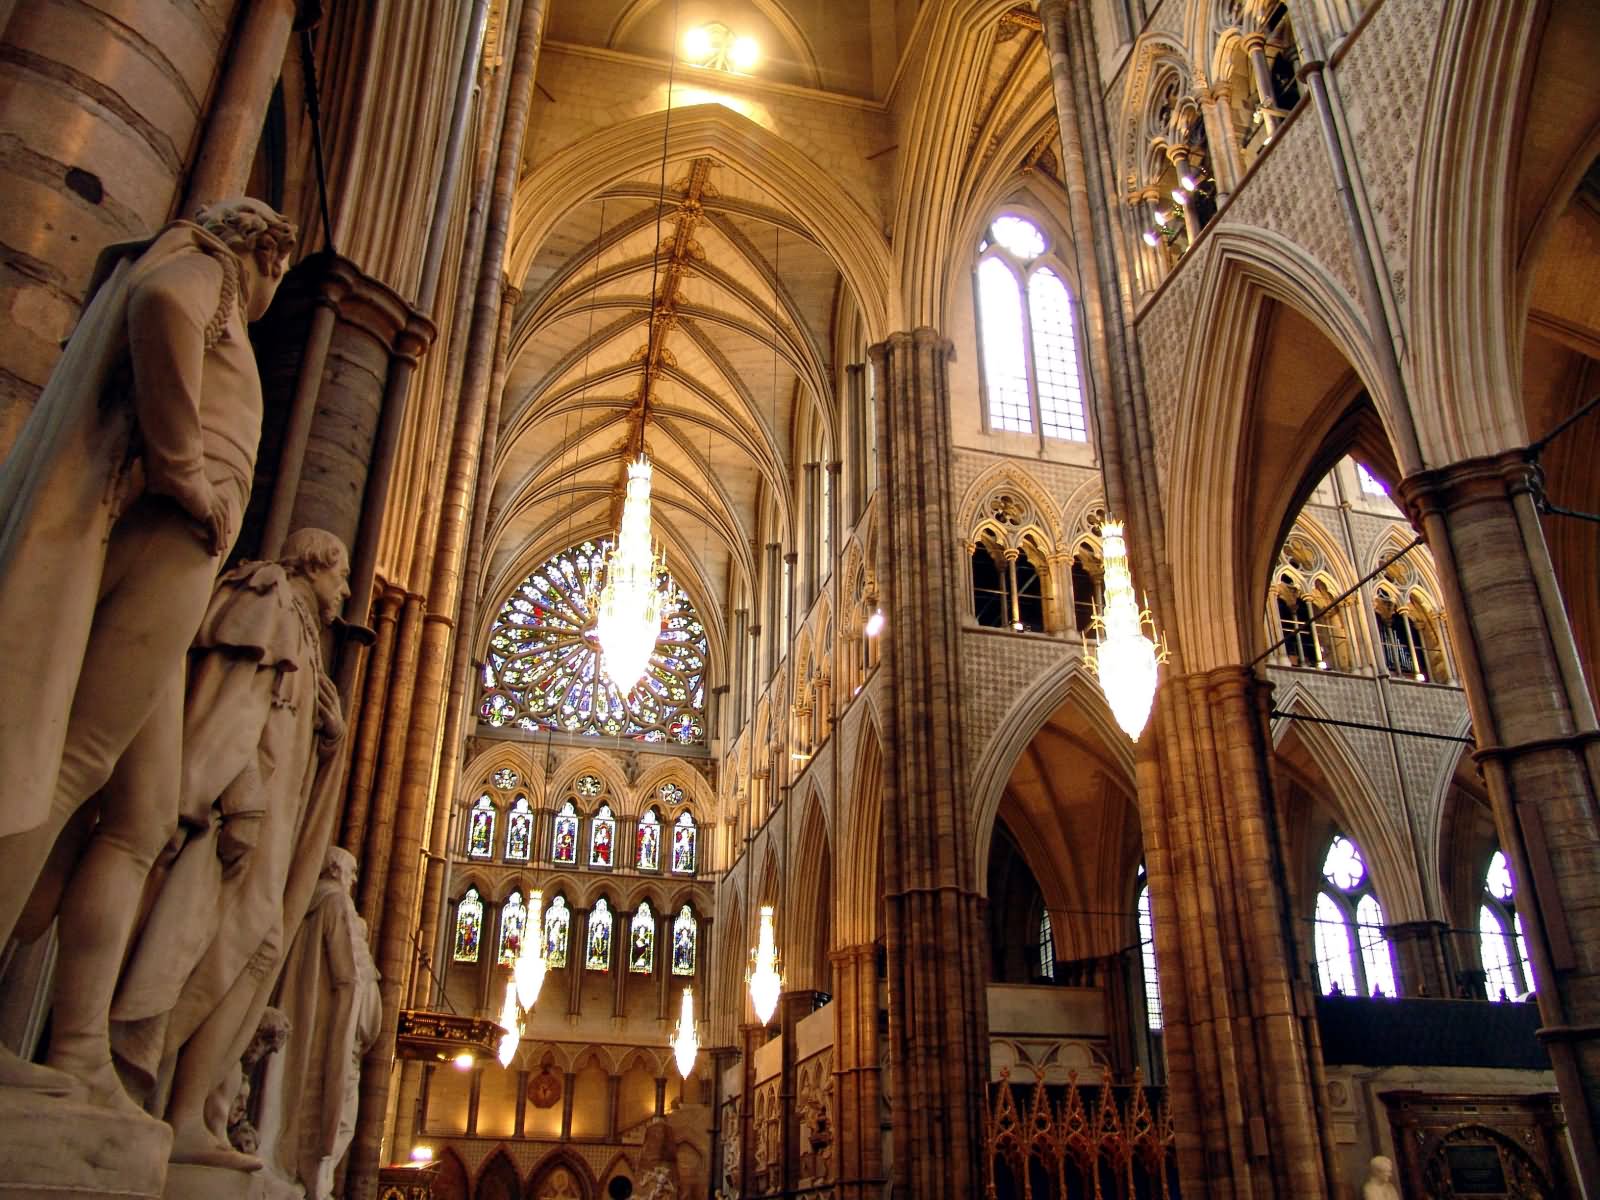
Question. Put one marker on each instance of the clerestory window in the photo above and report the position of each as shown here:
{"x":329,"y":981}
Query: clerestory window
{"x":1028,"y":335}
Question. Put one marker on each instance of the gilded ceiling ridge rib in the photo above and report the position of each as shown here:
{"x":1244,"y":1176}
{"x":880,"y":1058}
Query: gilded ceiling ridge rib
{"x":664,"y":313}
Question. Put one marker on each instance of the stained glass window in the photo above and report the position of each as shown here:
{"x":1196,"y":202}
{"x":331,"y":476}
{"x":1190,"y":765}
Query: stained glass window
{"x":642,"y":940}
{"x":1508,"y":973}
{"x":469,"y":926}
{"x":1147,"y":958}
{"x":1353,"y":956}
{"x":649,"y":848}
{"x":1055,"y":358}
{"x":597,"y":957}
{"x":1369,"y":482}
{"x":685,"y":931}
{"x":557,"y":920}
{"x":564,"y":843}
{"x":519,"y":830}
{"x":670,"y":794}
{"x":1047,"y":946}
{"x":1375,"y":955}
{"x":1005,"y":366}
{"x":588,"y":785}
{"x":542,"y":670}
{"x":683,"y":834}
{"x":480,"y":828}
{"x":1022,"y":238}
{"x":602,"y":836}
{"x":513,"y":919}
{"x":505,"y":779}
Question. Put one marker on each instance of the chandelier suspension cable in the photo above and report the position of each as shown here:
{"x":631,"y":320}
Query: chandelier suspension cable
{"x":650,"y":347}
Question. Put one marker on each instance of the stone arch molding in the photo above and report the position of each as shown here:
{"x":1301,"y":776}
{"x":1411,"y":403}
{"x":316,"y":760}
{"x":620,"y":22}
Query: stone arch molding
{"x":1066,"y":679}
{"x":1027,"y":504}
{"x":1200,"y":441}
{"x":821,"y":208}
{"x":1355,"y":801}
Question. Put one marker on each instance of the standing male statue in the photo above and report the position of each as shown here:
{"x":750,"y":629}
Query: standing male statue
{"x":120,"y":500}
{"x":259,"y":726}
{"x":329,"y":989}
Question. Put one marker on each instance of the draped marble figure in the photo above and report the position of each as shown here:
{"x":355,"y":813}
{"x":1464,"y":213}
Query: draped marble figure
{"x":260,"y":723}
{"x":121,"y":498}
{"x":329,"y":990}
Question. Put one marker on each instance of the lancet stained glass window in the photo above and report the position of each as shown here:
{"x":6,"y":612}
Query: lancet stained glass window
{"x":1500,"y":928}
{"x":1147,"y":957}
{"x":1353,"y":955}
{"x":519,"y":830}
{"x":469,"y":926}
{"x":480,"y":828}
{"x":642,"y":940}
{"x":557,"y":921}
{"x":564,"y":842}
{"x":602,"y":837}
{"x":1027,"y":333}
{"x":683,"y":836}
{"x":542,"y":670}
{"x":597,"y":957}
{"x":685,"y":931}
{"x":648,"y":857}
{"x":513,"y":920}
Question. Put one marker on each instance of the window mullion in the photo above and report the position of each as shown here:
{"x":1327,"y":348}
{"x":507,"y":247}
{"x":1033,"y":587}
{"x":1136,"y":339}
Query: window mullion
{"x":1030,"y":364}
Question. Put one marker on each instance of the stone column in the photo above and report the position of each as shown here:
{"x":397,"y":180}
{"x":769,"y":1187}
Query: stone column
{"x":938,"y":1017}
{"x":99,"y":107}
{"x":1538,"y":746}
{"x":569,"y":1083}
{"x":621,"y":951}
{"x":1255,"y":46}
{"x":577,"y":951}
{"x":522,"y":1104}
{"x":1420,"y":954}
{"x":812,"y":509}
{"x":233,"y":128}
{"x":858,"y":1144}
{"x":1223,"y":139}
{"x":774,"y":613}
{"x":1180,"y":164}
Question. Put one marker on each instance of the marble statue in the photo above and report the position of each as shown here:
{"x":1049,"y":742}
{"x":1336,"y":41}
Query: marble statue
{"x":329,"y":989}
{"x":118,"y":503}
{"x":1380,"y":1184}
{"x":658,"y":1162}
{"x":270,"y":1037}
{"x":258,"y":799}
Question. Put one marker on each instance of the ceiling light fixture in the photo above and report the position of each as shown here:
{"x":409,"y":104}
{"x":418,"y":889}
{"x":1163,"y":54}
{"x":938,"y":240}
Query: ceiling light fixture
{"x":511,"y":1022}
{"x":718,"y":48}
{"x":685,"y":1042}
{"x":765,"y":979}
{"x":529,"y":967}
{"x":1124,"y":656}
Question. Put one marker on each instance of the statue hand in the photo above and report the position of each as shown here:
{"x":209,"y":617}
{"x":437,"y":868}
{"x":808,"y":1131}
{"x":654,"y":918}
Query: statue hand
{"x":212,"y":528}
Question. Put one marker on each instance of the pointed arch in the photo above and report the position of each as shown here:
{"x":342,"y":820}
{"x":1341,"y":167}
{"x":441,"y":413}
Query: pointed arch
{"x":811,"y":897}
{"x":857,"y":907}
{"x":1066,"y":680}
{"x":1048,"y":525}
{"x":1224,"y":487}
{"x":558,"y":1160}
{"x":1354,"y":801}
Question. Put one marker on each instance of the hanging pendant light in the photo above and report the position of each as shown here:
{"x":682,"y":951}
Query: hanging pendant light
{"x":529,"y":967}
{"x":1124,"y":656}
{"x":685,"y":1043}
{"x":629,"y":620}
{"x":765,"y":980}
{"x":511,"y":1022}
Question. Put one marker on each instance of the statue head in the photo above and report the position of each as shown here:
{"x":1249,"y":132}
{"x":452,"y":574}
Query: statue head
{"x":319,"y":558}
{"x":263,"y":241}
{"x":340,"y":866}
{"x":1381,"y":1169}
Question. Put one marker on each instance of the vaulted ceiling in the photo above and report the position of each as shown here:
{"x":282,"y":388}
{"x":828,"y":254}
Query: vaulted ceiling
{"x":744,"y":304}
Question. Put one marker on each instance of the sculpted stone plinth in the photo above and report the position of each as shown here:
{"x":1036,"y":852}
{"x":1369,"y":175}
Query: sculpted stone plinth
{"x":329,"y":990}
{"x":52,"y":1146}
{"x":260,"y":723}
{"x":119,"y":501}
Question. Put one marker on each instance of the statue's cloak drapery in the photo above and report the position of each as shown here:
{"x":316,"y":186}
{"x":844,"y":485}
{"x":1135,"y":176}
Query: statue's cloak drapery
{"x":258,"y":723}
{"x":62,"y":487}
{"x":334,"y":1013}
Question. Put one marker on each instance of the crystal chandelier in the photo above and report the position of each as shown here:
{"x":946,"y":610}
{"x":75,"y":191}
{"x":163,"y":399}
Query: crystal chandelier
{"x":511,"y":1022}
{"x":528,"y":969}
{"x":629,"y":621}
{"x":1124,"y":656}
{"x":765,"y":980}
{"x":685,"y":1044}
